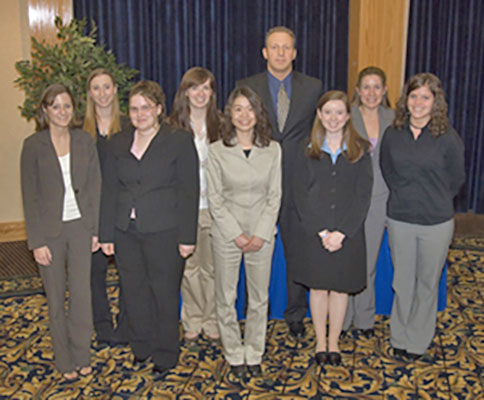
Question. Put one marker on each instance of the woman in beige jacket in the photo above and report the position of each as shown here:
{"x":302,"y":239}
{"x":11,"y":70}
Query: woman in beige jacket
{"x":244,"y":194}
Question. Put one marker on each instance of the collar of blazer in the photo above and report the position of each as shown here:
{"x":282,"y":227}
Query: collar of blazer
{"x":126,"y":137}
{"x":385,"y":118}
{"x":49,"y":152}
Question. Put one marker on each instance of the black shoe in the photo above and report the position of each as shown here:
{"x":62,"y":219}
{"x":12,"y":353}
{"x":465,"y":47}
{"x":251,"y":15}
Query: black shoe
{"x":160,"y":372}
{"x":399,"y":354}
{"x":137,"y":361}
{"x":297,"y":330}
{"x":321,"y":357}
{"x":413,"y":356}
{"x":254,"y":370}
{"x":334,"y":358}
{"x":344,"y":333}
{"x":368,"y":333}
{"x":238,"y":371}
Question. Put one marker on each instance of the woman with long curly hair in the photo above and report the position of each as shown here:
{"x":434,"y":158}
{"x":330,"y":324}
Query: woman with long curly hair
{"x":422,"y":161}
{"x":195,"y":110}
{"x":244,"y":195}
{"x":332,"y":181}
{"x":102,"y":120}
{"x":371,"y":115}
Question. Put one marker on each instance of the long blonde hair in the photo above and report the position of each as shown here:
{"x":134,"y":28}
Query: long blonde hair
{"x":356,"y":146}
{"x":90,"y":117}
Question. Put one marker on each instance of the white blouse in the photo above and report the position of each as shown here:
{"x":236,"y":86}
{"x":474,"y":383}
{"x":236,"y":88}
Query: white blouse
{"x":70,"y":210}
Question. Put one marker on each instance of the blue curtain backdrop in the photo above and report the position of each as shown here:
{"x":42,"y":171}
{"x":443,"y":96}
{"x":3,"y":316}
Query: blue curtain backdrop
{"x":447,"y":39}
{"x":163,"y":38}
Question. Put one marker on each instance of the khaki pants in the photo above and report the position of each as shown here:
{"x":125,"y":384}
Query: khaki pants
{"x":227,"y":258}
{"x":198,"y":284}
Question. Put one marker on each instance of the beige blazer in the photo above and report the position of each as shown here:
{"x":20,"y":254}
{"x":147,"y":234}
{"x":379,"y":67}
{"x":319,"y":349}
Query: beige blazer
{"x":244,"y":193}
{"x":43,"y":185}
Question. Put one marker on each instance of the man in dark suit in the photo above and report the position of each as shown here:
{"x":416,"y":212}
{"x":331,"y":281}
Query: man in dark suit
{"x":290,"y":99}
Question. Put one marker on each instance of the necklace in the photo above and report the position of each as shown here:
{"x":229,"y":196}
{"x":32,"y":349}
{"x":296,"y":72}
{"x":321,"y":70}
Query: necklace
{"x":415,"y":126}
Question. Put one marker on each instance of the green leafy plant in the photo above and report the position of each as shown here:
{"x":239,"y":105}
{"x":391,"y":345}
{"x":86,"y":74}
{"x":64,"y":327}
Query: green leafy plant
{"x":68,"y":62}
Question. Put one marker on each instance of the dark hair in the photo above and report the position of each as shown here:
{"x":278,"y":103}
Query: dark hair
{"x":371,"y":70}
{"x":356,"y":146}
{"x":262,"y":128}
{"x":90,"y":117}
{"x":152,"y":91}
{"x":180,"y":115}
{"x":283,"y":29}
{"x":439,"y":120}
{"x":47,"y":99}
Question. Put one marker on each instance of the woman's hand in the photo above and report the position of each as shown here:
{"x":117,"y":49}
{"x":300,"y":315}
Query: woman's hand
{"x":43,"y":256}
{"x":255,"y":243}
{"x":241,"y":241}
{"x":95,"y":246}
{"x":186,"y":250}
{"x":107,"y":248}
{"x":333,"y":241}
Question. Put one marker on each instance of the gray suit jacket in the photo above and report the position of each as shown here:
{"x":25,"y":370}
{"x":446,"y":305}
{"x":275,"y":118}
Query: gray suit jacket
{"x":43,"y":185}
{"x":244,"y":193}
{"x":385,"y":119}
{"x":305,"y":94}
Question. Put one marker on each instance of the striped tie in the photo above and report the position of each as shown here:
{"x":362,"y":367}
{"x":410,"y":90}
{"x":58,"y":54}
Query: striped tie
{"x":282,"y":107}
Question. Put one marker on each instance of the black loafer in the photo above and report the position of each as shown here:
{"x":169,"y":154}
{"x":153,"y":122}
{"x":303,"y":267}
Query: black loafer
{"x":238,"y":371}
{"x":160,"y":372}
{"x":297,"y":330}
{"x":321,"y":357}
{"x":413,"y":356}
{"x":399,"y":354}
{"x":254,"y":370}
{"x":138,"y":360}
{"x":368,"y":333}
{"x":334,"y":358}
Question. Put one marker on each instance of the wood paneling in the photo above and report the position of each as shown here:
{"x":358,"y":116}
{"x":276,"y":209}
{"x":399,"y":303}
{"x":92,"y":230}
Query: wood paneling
{"x":12,"y":231}
{"x":41,"y":17}
{"x":378,"y":36}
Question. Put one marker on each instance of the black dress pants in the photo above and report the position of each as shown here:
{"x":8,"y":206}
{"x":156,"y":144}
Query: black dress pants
{"x":101,"y":311}
{"x":151,"y":270}
{"x":290,"y":228}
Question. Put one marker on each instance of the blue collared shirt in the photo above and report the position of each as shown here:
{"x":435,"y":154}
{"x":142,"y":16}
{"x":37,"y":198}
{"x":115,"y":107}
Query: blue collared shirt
{"x":275,"y":84}
{"x":334,"y":156}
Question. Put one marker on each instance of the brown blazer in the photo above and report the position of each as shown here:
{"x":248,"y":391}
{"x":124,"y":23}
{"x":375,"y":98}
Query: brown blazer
{"x":43,"y":185}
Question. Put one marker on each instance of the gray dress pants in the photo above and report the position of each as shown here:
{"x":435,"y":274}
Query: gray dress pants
{"x":418,"y":253}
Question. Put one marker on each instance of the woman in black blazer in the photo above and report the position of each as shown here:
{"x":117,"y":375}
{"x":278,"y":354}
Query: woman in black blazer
{"x":332,"y":181}
{"x":61,"y":185}
{"x":150,"y":207}
{"x":103,"y":119}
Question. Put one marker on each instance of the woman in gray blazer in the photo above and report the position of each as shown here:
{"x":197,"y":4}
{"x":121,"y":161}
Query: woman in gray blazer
{"x":244,"y":195}
{"x":61,"y":184}
{"x":371,"y":115}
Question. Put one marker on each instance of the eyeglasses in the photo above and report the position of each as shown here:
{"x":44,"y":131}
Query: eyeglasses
{"x":143,"y":109}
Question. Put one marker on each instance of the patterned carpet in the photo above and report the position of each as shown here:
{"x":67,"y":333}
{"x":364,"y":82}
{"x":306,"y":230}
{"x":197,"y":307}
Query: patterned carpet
{"x":453,"y":368}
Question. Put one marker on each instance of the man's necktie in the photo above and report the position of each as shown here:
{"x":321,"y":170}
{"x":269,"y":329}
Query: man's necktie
{"x":282,"y":107}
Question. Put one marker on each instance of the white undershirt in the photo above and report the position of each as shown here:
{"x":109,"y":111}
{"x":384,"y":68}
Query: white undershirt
{"x":70,"y":210}
{"x":202,"y":149}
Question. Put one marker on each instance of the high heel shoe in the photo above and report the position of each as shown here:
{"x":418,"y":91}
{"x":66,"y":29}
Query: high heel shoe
{"x":321,"y":357}
{"x":334,"y":358}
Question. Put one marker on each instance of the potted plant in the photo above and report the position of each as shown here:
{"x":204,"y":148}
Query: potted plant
{"x":68,"y":62}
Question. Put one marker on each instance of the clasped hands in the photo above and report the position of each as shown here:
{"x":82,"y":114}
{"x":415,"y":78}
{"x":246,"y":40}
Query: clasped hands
{"x":331,"y":241}
{"x":247,"y":245}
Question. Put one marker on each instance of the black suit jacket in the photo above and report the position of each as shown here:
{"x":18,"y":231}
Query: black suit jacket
{"x":305,"y":93}
{"x":163,"y":187}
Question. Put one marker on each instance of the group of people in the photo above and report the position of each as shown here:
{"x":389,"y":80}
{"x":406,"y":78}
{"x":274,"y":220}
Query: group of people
{"x":180,"y":200}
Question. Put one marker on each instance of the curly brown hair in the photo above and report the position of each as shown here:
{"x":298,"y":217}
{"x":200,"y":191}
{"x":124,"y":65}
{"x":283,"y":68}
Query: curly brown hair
{"x":262,"y":128}
{"x":371,"y":70}
{"x":356,"y":146}
{"x":180,"y":115}
{"x":439,"y":120}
